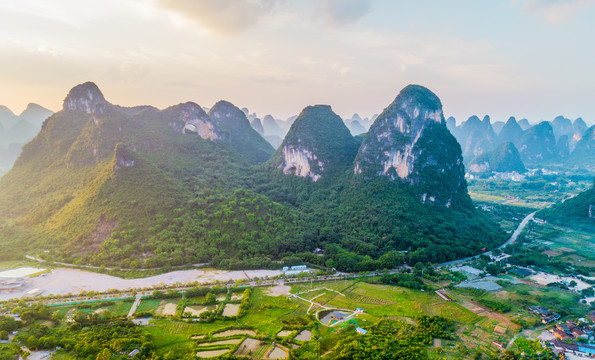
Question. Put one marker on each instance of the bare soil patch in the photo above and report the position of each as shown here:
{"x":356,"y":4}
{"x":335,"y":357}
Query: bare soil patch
{"x":222,"y":342}
{"x":167,"y":309}
{"x":305,"y":335}
{"x":235,"y":332}
{"x":211,"y":353}
{"x":280,"y":289}
{"x":197,"y":310}
{"x":235,"y":297}
{"x":248,"y":347}
{"x":276,"y":353}
{"x":231,"y":309}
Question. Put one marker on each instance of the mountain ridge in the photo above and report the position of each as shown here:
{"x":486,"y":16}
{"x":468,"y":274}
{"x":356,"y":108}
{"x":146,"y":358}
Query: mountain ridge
{"x":102,"y":183}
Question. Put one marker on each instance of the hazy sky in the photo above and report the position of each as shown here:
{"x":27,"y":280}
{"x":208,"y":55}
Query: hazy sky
{"x":531,"y":58}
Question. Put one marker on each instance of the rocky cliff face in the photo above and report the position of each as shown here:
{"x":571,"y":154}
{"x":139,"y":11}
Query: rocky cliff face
{"x":123,"y":157}
{"x":193,"y":120}
{"x":83,"y":97}
{"x":409,"y":142}
{"x":318,"y":143}
{"x":301,"y":162}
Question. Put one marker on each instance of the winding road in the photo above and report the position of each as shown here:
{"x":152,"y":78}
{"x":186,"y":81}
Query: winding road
{"x":511,"y":240}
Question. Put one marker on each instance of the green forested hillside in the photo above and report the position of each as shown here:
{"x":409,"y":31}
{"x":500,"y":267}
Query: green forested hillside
{"x":578,"y":211}
{"x":131,"y":187}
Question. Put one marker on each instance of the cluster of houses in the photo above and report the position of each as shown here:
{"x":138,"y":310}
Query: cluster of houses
{"x":546,"y":315}
{"x":573,"y":338}
{"x":571,"y":331}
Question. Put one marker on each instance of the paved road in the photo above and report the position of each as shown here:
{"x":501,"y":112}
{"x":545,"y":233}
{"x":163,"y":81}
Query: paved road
{"x":139,"y":296}
{"x":511,"y":240}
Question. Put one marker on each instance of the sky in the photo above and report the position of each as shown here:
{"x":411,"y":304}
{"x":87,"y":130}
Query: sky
{"x":531,"y":59}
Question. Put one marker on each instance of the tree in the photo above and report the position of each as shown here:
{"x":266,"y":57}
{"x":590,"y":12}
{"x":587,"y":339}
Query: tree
{"x":493,"y":269}
{"x":588,"y":291}
{"x":210,"y":298}
{"x":57,"y":316}
{"x":104,"y":355}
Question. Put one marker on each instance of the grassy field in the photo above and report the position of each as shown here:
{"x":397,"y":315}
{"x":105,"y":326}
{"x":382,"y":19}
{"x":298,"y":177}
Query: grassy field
{"x":564,"y":237}
{"x":119,"y":308}
{"x":474,"y":327}
{"x":149,"y":305}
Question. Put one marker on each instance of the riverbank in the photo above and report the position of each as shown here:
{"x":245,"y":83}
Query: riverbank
{"x":63,"y":281}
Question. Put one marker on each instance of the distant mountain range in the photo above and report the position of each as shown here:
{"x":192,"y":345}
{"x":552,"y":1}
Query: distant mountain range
{"x":504,"y":158}
{"x":104,"y":184}
{"x":16,"y":130}
{"x":560,"y":141}
{"x":274,"y":130}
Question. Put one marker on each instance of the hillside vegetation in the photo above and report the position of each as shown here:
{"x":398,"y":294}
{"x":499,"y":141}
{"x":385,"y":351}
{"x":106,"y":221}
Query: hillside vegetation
{"x":102,"y":184}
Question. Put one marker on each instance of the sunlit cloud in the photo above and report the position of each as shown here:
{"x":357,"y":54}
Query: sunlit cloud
{"x":221,"y":16}
{"x":279,"y":56}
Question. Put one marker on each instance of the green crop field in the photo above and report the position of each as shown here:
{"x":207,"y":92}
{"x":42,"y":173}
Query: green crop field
{"x":149,"y":305}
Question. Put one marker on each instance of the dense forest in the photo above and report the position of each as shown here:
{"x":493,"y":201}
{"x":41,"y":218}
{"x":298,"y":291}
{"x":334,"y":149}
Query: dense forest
{"x":123,"y":183}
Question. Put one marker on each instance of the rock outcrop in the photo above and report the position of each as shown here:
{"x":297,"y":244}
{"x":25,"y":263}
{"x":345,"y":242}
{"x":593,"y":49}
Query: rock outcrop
{"x":318,"y":143}
{"x":123,"y":157}
{"x":409,"y":142}
{"x":194,"y":120}
{"x":83,"y":97}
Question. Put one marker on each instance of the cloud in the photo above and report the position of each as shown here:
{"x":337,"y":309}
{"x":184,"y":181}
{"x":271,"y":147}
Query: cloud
{"x":221,"y":16}
{"x":556,"y":11}
{"x":339,"y":12}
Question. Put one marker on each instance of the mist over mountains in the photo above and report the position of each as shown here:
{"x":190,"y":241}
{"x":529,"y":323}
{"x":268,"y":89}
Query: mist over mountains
{"x":16,"y":130}
{"x":561,"y":141}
